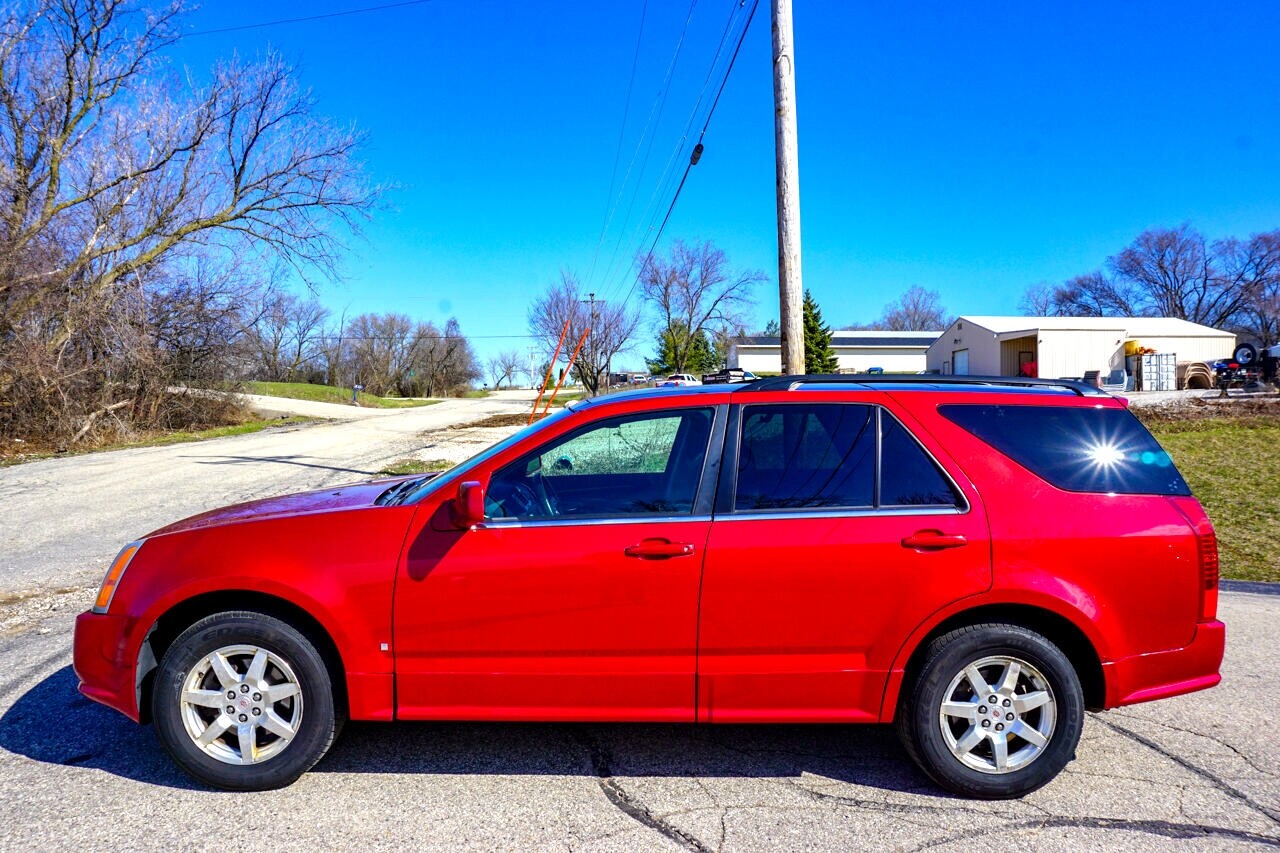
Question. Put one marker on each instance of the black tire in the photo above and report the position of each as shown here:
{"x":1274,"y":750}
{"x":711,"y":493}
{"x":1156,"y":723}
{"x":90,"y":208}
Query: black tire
{"x":1246,"y":355}
{"x":961,"y":753}
{"x":291,"y":669}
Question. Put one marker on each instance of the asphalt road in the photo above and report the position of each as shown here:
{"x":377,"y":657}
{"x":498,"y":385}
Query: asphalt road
{"x":62,"y":520}
{"x":1194,"y":773}
{"x":1199,"y":772}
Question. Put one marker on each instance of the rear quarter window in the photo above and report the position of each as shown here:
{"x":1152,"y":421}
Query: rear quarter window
{"x":1076,"y":449}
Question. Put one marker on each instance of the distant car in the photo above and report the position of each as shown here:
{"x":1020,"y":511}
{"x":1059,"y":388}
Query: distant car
{"x":728,"y":374}
{"x":679,"y":380}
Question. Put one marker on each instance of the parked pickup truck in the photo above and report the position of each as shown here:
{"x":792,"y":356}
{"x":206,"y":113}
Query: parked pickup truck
{"x":729,"y":374}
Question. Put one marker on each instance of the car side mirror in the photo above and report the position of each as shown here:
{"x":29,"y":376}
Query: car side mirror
{"x":468,"y":506}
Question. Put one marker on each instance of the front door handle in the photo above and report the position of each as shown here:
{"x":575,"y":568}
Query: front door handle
{"x":934,"y":540}
{"x":659,"y":549}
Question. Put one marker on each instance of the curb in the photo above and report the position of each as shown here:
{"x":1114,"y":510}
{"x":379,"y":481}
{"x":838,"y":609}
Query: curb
{"x":1256,"y":587}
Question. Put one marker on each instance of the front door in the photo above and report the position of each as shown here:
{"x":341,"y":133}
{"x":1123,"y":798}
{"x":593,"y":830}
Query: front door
{"x":577,"y":597}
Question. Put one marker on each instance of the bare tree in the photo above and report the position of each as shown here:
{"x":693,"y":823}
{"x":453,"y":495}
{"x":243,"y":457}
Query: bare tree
{"x":380,"y":350}
{"x":1175,"y":272}
{"x":1097,"y":295}
{"x":695,"y":293}
{"x":1038,"y":300}
{"x":1252,"y":267}
{"x":916,"y":310}
{"x":503,"y":366}
{"x":442,"y":362}
{"x":612,"y":324}
{"x":114,"y":176}
{"x":288,"y":336}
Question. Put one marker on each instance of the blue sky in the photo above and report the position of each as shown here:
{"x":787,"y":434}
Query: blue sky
{"x":971,"y":148}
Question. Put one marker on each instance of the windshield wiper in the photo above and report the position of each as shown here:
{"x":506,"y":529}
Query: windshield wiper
{"x":399,"y":491}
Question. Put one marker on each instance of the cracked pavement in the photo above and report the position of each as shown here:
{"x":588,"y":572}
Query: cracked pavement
{"x":1198,"y":772}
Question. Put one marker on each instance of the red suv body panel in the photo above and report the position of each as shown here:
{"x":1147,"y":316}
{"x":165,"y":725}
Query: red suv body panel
{"x":789,"y":615}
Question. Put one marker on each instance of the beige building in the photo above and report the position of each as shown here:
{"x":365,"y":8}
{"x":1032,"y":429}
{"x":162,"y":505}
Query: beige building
{"x":1067,"y":346}
{"x":856,"y":351}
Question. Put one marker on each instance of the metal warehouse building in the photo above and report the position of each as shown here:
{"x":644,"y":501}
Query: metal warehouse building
{"x":1068,"y":346}
{"x":856,"y":351}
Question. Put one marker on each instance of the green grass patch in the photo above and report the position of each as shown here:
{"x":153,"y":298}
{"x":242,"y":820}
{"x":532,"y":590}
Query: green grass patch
{"x":1233,"y":467}
{"x":329,"y":394}
{"x":416,"y":466}
{"x":562,"y":399}
{"x":475,"y":394}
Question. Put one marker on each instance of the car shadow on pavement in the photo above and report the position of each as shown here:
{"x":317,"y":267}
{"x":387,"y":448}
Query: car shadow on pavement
{"x":856,"y":754}
{"x":53,"y":723}
{"x":281,"y":460}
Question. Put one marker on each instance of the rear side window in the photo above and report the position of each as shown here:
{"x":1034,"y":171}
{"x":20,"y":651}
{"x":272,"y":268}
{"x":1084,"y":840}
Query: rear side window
{"x":807,"y":456}
{"x":1079,"y":450}
{"x":831,"y":455}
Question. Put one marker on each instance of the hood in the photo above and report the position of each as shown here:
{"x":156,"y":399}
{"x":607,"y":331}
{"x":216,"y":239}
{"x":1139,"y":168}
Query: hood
{"x":350,"y":496}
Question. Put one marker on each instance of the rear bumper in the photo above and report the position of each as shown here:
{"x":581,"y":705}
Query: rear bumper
{"x":1142,"y":678}
{"x":105,"y":671}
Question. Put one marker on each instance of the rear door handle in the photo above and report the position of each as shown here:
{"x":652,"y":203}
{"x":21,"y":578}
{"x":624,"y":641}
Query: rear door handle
{"x":934,"y":540}
{"x":659,"y":549}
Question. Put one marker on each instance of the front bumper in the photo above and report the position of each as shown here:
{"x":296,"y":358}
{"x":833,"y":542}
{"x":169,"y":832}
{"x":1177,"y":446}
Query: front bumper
{"x":1142,"y":678}
{"x":102,"y":663}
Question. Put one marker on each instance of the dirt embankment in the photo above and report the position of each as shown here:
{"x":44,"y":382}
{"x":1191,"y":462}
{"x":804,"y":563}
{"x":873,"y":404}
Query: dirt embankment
{"x":1196,"y":413}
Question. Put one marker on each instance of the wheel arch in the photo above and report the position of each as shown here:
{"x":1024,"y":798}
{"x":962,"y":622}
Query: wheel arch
{"x":1056,"y":628}
{"x":187,"y":612}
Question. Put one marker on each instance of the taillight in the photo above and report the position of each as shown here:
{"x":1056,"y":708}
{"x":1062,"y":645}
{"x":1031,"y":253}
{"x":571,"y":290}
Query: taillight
{"x":1208,"y":546}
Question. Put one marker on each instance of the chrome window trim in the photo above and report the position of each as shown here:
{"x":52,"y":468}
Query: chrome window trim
{"x":586,"y":521}
{"x":865,"y":512}
{"x":962,"y":507}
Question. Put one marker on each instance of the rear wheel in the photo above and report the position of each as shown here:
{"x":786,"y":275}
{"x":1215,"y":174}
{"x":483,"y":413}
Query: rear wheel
{"x":996,"y":711}
{"x":244,"y":701}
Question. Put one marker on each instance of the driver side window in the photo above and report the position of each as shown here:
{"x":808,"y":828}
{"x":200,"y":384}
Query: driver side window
{"x":644,"y":464}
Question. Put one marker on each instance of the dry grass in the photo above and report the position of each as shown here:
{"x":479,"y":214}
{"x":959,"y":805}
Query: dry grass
{"x":12,"y":453}
{"x":494,"y":421}
{"x":329,"y":394}
{"x":416,"y":466}
{"x":1230,"y":456}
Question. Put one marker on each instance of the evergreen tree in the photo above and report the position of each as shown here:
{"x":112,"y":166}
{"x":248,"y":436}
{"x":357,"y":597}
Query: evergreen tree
{"x":682,"y":352}
{"x":819,"y":357}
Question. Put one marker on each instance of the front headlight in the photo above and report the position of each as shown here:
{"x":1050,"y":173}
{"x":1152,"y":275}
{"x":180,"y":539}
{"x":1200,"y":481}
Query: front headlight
{"x":112,"y":579}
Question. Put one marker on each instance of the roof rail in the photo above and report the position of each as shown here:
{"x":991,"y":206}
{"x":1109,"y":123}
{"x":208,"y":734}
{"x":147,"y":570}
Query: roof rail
{"x":952,"y":382}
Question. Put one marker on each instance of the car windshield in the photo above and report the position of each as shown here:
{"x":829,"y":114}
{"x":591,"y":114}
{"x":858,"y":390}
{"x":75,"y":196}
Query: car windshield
{"x":457,"y":471}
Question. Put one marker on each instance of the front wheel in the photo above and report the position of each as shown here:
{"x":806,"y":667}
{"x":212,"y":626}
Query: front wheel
{"x":244,"y":701}
{"x":995,"y":712}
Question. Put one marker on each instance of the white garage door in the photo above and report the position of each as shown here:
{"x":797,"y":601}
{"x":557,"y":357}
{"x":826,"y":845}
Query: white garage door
{"x":960,"y":362}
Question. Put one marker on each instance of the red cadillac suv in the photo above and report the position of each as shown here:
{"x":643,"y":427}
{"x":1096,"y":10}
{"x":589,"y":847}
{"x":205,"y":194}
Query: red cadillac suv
{"x":977,"y":560}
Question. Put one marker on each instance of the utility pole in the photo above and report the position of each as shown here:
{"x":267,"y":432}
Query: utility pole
{"x":593,"y":353}
{"x":790,"y":288}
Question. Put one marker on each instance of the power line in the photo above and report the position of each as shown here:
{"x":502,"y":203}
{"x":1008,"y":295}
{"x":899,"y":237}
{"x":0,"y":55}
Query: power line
{"x":617,"y":155}
{"x":668,"y":176}
{"x":305,"y":18}
{"x":656,"y":109}
{"x":697,"y":153}
{"x":665,"y":179}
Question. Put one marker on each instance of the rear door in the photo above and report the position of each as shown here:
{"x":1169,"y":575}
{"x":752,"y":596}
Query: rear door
{"x":837,"y":532}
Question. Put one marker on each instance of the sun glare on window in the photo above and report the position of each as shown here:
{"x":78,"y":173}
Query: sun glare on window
{"x":1104,"y":455}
